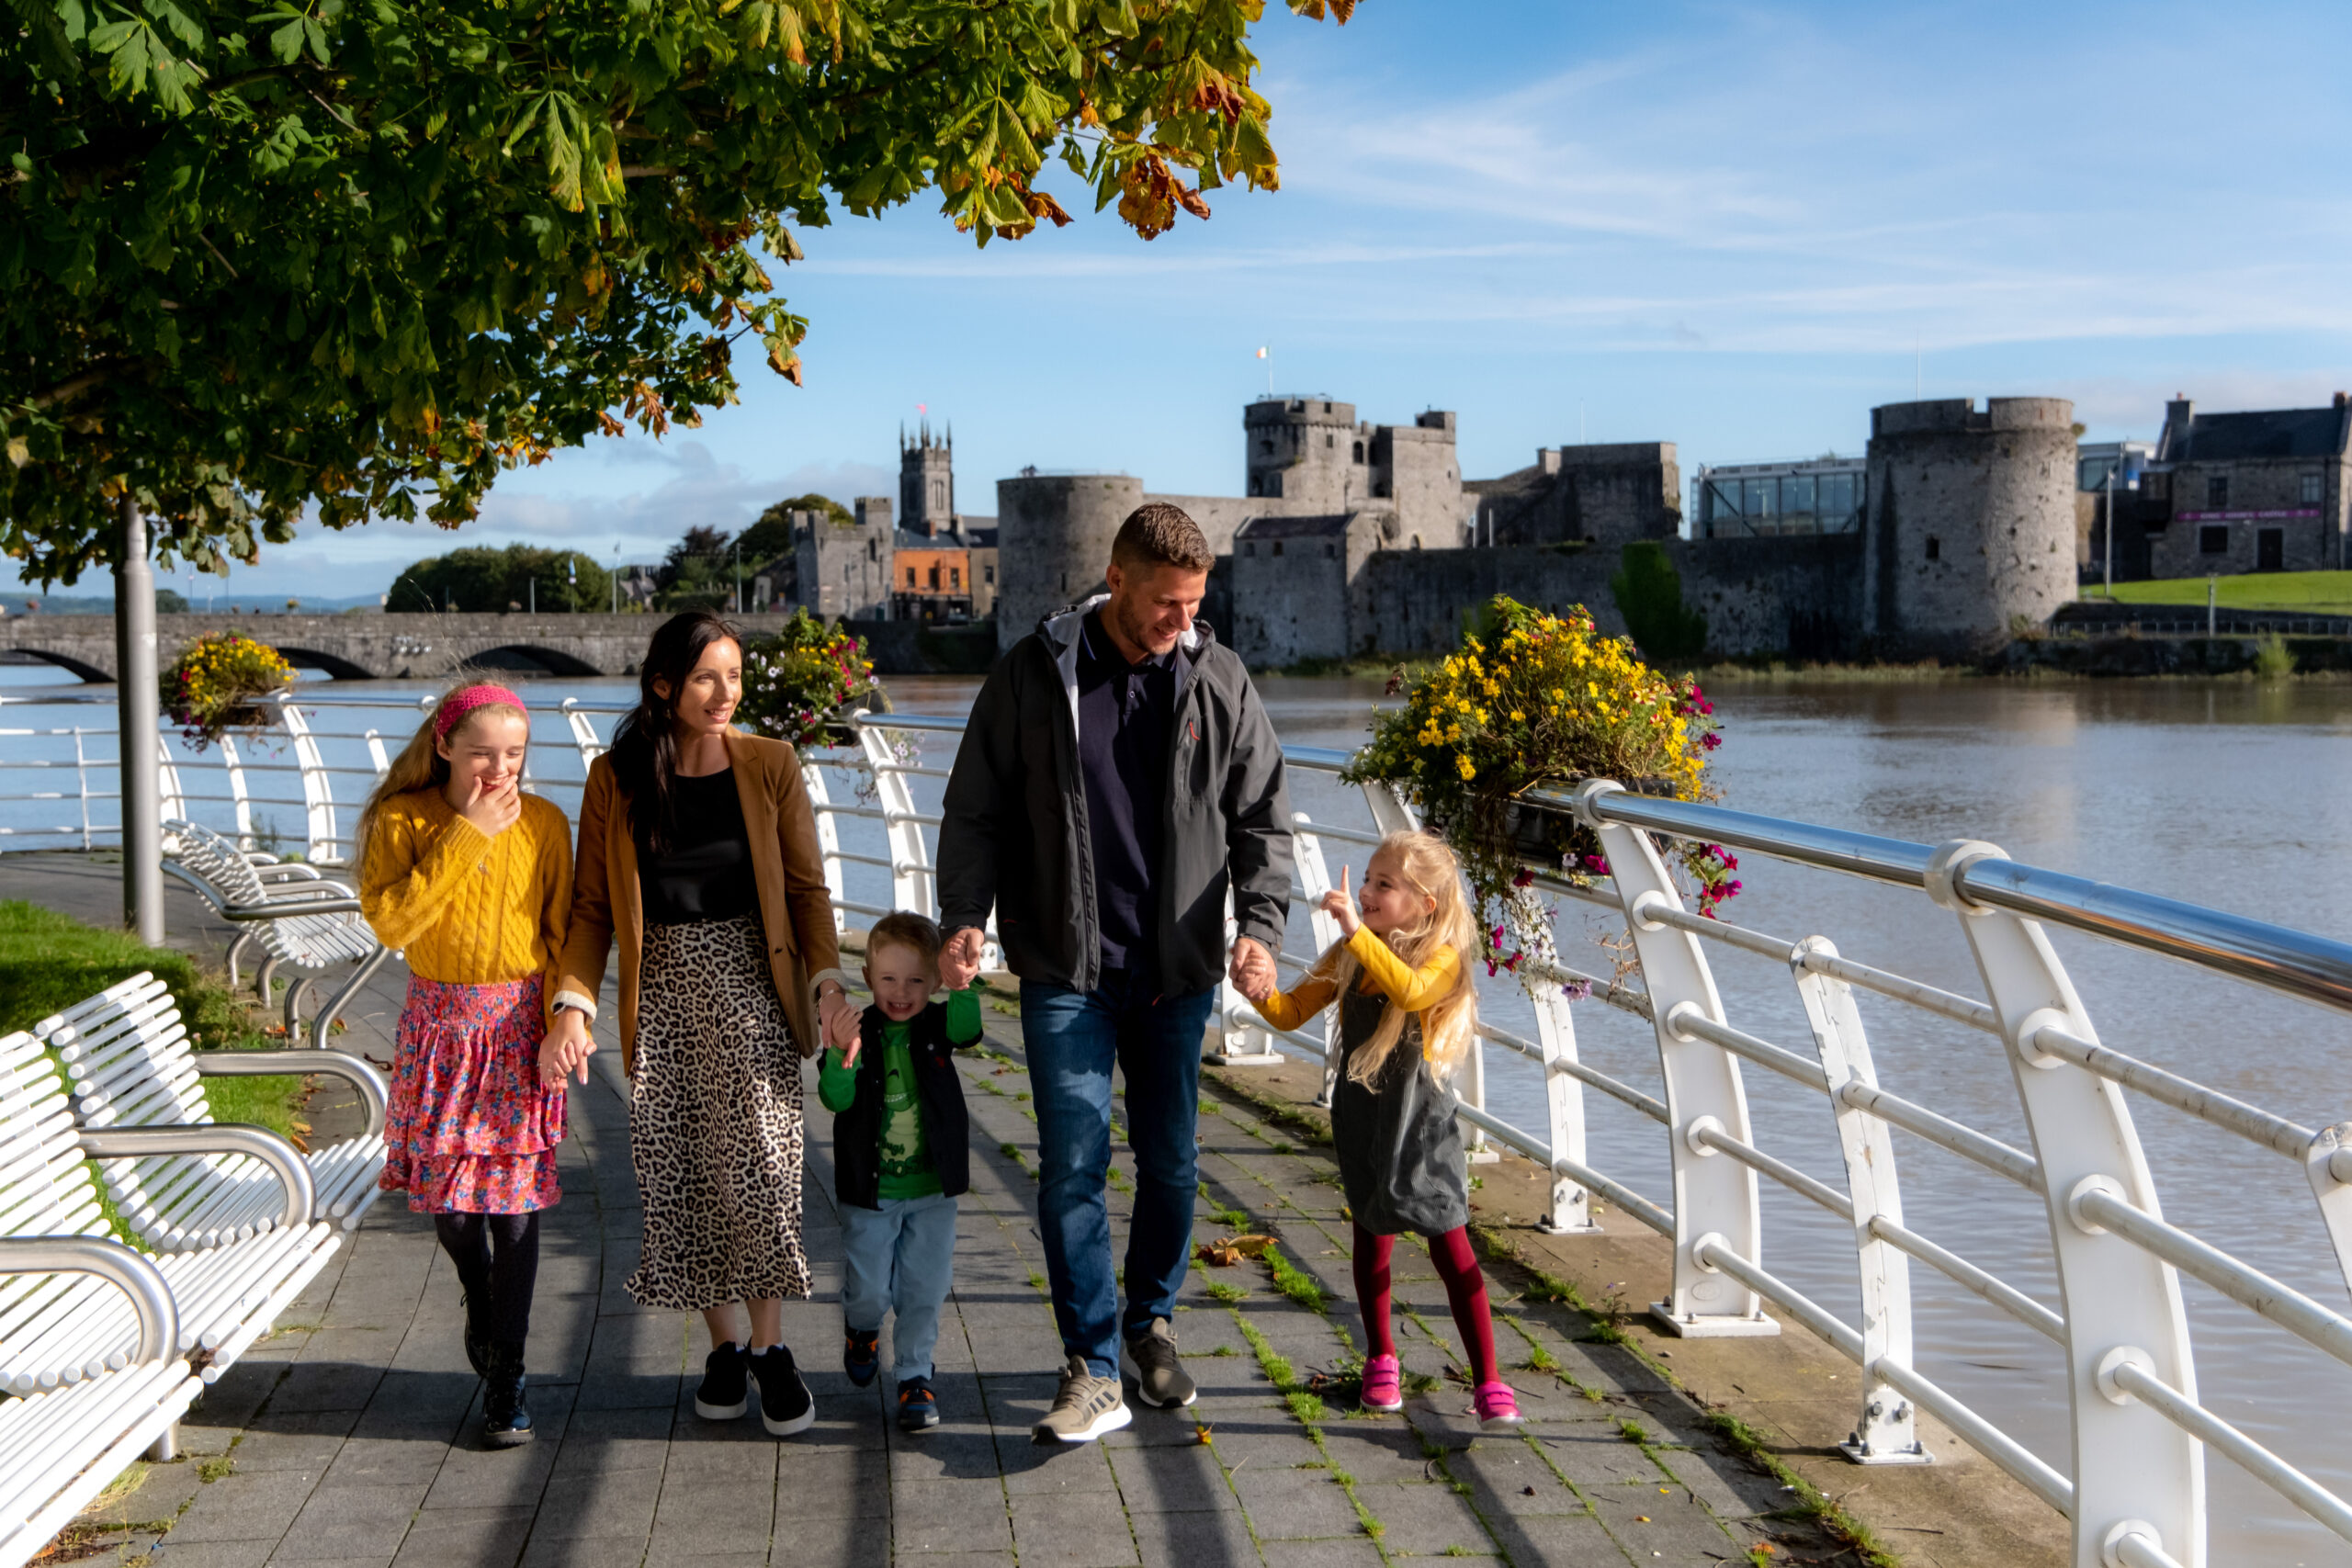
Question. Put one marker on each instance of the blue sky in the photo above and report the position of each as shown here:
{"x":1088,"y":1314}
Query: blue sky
{"x":1735,"y":227}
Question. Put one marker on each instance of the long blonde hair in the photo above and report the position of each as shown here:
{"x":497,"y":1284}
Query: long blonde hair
{"x":420,"y":764}
{"x":1429,"y":868}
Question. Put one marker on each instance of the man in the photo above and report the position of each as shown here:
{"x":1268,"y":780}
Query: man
{"x":1118,"y":773}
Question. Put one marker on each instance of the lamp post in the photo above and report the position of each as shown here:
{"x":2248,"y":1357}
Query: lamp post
{"x":138,"y":707}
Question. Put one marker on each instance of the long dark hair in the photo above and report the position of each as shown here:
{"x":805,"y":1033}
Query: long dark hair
{"x":645,"y":743}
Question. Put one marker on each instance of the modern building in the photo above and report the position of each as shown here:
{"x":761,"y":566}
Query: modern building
{"x":1739,"y":501}
{"x":2258,"y":491}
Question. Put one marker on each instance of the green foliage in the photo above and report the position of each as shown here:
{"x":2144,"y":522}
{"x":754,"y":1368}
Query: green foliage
{"x":478,"y":579}
{"x":170,"y":601}
{"x":699,"y":572}
{"x":1648,"y":591}
{"x":2272,"y":662}
{"x":360,"y":259}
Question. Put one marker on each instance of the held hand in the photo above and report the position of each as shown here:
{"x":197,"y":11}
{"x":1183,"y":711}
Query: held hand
{"x":1253,"y":970}
{"x":959,"y":958}
{"x":1341,"y":907}
{"x":494,"y":809}
{"x":846,"y":1034}
{"x":831,"y":1005}
{"x":565,"y":1050}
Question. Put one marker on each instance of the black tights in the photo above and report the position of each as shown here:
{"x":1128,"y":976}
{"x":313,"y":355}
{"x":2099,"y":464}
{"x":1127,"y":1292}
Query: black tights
{"x":497,"y":1258}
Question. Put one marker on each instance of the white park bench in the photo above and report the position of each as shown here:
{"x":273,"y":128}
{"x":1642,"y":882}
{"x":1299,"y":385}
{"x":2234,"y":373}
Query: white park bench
{"x":302,"y":921}
{"x":129,"y":1063}
{"x":61,"y":1448}
{"x":62,"y":1329}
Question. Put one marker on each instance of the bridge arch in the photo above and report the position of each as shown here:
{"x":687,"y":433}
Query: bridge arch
{"x":529,"y":658}
{"x":335,"y":665}
{"x":79,"y":669}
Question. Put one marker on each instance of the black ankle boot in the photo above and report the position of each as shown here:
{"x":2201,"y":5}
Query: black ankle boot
{"x":504,"y":1421}
{"x":475,"y":1299}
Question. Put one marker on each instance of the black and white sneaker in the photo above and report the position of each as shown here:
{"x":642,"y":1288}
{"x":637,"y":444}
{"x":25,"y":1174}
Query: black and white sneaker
{"x":726,"y":1377}
{"x":784,"y":1404}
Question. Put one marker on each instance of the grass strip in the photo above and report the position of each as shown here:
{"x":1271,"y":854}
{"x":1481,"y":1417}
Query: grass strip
{"x":1306,"y":1407}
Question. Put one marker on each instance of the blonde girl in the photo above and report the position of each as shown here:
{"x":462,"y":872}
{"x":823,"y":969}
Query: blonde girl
{"x":1408,"y":1012}
{"x":474,"y":878}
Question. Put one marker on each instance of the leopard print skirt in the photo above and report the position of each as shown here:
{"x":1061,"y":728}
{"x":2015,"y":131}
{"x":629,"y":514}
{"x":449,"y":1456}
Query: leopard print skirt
{"x":715,"y":1124}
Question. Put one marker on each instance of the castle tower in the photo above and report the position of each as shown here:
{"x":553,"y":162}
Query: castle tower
{"x":1306,"y":451}
{"x":1970,"y":526}
{"x":927,"y":482}
{"x":1054,"y":534}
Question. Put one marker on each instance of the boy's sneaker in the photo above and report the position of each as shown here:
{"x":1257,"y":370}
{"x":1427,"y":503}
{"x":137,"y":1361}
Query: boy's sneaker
{"x":1160,"y":1379}
{"x":784,"y":1404}
{"x":726,"y":1374}
{"x":862,"y":1355}
{"x":918,"y":1406}
{"x":1086,"y":1407}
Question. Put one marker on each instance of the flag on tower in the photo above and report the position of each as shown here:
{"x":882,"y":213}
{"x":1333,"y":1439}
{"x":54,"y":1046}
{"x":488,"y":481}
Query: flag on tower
{"x":1262,"y":354}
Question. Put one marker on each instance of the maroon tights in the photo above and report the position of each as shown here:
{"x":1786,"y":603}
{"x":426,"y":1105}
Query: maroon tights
{"x":1466,"y":1288}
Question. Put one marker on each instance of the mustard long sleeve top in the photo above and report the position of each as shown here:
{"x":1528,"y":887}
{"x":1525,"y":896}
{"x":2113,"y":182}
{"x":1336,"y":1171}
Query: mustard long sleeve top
{"x":1410,"y":988}
{"x":470,"y":908}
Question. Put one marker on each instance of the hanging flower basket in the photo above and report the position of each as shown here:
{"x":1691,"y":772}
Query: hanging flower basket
{"x":209,"y":690}
{"x":1534,"y":699}
{"x":802,"y":684}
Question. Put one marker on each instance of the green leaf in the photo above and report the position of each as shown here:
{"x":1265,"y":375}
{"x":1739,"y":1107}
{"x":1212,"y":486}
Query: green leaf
{"x":286,"y":43}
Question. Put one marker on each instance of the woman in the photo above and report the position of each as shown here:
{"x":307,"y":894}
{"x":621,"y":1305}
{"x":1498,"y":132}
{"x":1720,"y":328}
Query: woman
{"x":698,"y":850}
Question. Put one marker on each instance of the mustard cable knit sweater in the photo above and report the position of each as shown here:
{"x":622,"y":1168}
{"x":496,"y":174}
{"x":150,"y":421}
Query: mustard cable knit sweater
{"x":469,"y":910}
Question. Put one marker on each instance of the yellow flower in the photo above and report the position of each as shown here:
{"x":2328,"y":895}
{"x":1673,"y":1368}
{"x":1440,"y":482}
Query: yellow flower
{"x":1462,"y":765}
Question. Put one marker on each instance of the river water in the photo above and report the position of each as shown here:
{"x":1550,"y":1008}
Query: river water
{"x":2228,"y":795}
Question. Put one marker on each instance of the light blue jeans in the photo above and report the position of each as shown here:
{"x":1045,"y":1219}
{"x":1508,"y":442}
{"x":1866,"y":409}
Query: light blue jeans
{"x":900,"y":1258}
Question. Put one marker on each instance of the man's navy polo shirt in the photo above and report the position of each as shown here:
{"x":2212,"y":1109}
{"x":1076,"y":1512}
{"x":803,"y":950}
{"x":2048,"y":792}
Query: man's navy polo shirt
{"x":1125,"y":713}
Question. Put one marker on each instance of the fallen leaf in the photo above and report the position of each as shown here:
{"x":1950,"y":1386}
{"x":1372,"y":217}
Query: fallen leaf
{"x":1249,"y":1246}
{"x":1201,"y":1433}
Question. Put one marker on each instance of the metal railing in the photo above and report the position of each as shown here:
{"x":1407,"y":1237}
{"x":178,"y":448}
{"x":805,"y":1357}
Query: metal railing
{"x":2133,"y":1487}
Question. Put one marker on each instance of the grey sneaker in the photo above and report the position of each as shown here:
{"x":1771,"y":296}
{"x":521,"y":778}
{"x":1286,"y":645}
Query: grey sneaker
{"x":1086,"y":1407}
{"x":1162,"y":1380}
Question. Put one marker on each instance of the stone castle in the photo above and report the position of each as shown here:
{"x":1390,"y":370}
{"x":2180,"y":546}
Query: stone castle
{"x":1357,"y":538}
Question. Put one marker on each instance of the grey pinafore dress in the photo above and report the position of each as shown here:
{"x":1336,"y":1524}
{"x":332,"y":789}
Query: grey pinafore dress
{"x":1401,"y":1161}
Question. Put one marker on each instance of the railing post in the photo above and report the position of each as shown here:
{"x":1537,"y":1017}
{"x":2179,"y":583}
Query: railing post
{"x":317,"y":790}
{"x":242,"y":804}
{"x":584,"y":733}
{"x":2131,"y":1465}
{"x":829,"y":841}
{"x":1315,"y":879}
{"x":1238,"y":1043}
{"x":1556,"y":1031}
{"x":1714,"y":1197}
{"x":913,"y":883}
{"x":1888,"y":1432}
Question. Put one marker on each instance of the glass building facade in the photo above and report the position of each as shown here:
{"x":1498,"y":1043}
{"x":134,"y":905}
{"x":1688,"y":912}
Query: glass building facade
{"x":1743,"y":499}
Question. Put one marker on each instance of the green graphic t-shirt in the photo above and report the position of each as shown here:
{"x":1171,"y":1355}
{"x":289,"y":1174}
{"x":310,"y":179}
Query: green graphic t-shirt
{"x":906,"y":1153}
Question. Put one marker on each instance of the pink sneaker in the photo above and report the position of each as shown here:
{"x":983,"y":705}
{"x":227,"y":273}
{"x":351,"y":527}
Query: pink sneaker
{"x":1497,"y":1407}
{"x":1382,"y":1388}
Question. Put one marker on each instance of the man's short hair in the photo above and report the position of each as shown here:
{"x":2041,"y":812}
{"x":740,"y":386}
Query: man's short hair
{"x":903,"y":928}
{"x":1158,"y":534}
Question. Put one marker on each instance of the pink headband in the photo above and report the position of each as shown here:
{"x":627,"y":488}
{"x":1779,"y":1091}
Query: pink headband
{"x":457,"y":704}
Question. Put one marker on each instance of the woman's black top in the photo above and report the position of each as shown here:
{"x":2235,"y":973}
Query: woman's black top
{"x":707,"y":875}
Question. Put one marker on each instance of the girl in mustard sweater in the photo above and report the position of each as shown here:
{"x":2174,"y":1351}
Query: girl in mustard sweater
{"x":474,"y":878}
{"x":1407,"y":1011}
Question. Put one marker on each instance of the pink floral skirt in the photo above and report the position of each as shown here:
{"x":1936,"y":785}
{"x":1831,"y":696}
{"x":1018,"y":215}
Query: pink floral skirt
{"x":470,"y":1130}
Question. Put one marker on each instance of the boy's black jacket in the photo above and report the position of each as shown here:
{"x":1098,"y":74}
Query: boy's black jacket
{"x":857,"y":1132}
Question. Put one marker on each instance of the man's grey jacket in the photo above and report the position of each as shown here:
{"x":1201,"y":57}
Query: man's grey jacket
{"x":1013,"y":831}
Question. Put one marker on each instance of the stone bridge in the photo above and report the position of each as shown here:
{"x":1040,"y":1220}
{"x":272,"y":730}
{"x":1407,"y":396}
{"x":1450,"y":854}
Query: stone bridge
{"x":371,"y":644}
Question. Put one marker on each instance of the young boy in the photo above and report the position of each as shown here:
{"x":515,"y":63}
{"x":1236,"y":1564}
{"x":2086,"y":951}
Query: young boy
{"x":901,"y":1151}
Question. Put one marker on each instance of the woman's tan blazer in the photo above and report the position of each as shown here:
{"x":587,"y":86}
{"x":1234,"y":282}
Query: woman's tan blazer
{"x":795,"y":907}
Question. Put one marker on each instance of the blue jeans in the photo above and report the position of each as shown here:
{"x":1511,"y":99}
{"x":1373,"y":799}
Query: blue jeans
{"x":1073,"y":1037}
{"x":900,"y":1258}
